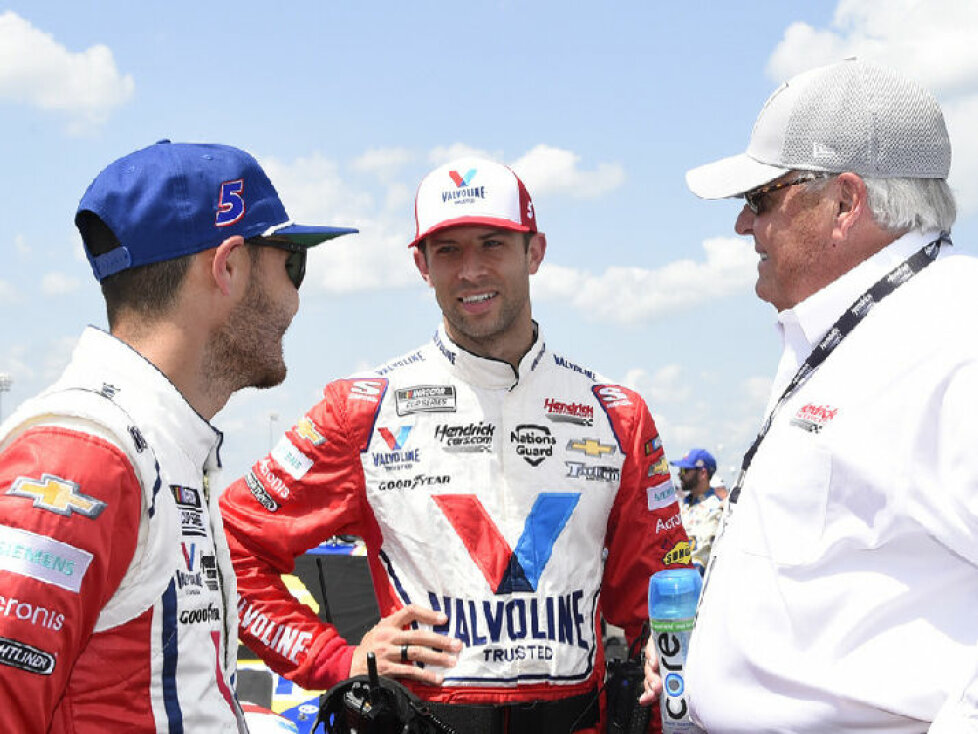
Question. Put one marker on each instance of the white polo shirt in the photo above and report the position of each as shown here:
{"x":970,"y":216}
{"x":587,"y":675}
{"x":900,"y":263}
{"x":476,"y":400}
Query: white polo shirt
{"x":845,"y":590}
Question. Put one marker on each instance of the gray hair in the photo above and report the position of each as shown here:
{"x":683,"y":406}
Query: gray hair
{"x":900,"y":204}
{"x":903,"y":204}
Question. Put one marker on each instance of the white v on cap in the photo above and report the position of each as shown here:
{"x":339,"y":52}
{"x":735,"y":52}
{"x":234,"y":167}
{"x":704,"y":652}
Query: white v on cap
{"x":472,"y":191}
{"x":850,"y":116}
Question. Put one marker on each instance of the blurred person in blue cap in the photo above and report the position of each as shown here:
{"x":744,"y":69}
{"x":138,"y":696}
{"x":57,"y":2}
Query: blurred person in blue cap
{"x":118,"y":606}
{"x":700,"y":507}
{"x":841,"y":592}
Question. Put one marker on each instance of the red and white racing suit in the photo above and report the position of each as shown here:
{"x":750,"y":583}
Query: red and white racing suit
{"x":115,"y":579}
{"x":483,"y":492}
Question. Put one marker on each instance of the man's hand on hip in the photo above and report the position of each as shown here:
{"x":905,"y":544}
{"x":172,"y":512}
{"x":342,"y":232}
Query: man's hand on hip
{"x":397,"y":647}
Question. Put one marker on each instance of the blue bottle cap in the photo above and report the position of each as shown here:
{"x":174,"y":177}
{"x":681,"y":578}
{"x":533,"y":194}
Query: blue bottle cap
{"x":673,"y":594}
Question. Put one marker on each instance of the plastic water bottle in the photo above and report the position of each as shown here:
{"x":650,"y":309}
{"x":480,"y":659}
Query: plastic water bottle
{"x":672,"y":611}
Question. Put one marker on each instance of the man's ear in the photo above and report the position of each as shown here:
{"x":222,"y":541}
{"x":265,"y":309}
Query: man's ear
{"x":421,"y":263}
{"x":852,"y":202}
{"x":536,"y":251}
{"x":227,"y":265}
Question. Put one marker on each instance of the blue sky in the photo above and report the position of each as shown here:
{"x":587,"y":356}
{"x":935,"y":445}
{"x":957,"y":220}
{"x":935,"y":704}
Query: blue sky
{"x":601,"y":108}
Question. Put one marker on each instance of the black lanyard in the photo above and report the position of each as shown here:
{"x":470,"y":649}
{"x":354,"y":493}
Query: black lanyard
{"x":839,"y":331}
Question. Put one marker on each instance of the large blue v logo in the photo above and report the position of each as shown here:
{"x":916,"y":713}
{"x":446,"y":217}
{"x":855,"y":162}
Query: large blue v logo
{"x":505,"y":569}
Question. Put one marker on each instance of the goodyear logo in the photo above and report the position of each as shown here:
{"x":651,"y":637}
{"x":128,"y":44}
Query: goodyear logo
{"x":57,"y":495}
{"x":680,"y":554}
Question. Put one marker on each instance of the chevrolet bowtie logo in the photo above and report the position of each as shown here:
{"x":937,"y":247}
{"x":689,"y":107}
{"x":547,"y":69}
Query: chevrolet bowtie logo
{"x":591,"y":447}
{"x":56,"y":495}
{"x":307,"y":429}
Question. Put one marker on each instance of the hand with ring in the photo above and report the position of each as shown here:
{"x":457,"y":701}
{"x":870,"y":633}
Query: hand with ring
{"x":398,"y":648}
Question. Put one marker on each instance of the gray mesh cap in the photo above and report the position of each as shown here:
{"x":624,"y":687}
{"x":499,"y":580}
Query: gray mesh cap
{"x":850,"y":116}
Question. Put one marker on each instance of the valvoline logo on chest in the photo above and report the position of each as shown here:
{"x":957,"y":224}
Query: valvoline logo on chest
{"x":399,"y":456}
{"x":508,"y":570}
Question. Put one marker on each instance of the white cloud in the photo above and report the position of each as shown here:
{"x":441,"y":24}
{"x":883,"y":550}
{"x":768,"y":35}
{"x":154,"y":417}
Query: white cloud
{"x":633,"y":294}
{"x":8,"y":294}
{"x":445,"y":153}
{"x":56,"y":284}
{"x":932,"y":41}
{"x":546,"y":169}
{"x":314,"y":192}
{"x":687,"y":415}
{"x":757,"y":390}
{"x":37,"y":70}
{"x":20,"y":244}
{"x":385,"y":163}
{"x":666,"y":385}
{"x":375,"y":259}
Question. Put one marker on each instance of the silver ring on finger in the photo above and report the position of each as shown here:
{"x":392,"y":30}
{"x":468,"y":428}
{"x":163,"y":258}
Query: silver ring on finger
{"x":404,"y":654}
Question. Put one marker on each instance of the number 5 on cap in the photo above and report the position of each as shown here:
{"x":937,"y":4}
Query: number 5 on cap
{"x":230,"y":205}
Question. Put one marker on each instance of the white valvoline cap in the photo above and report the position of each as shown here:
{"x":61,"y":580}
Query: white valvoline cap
{"x":472,"y":191}
{"x":850,"y":116}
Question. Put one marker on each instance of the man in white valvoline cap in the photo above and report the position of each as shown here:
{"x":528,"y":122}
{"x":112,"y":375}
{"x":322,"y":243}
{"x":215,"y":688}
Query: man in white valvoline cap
{"x":117,"y":597}
{"x":508,"y":497}
{"x":841,"y":593}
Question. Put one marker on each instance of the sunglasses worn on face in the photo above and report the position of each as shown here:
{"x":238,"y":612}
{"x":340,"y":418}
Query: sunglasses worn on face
{"x":755,"y":197}
{"x":295,"y":263}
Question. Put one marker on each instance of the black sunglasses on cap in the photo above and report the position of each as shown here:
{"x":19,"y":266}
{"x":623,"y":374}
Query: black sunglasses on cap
{"x":295,"y":263}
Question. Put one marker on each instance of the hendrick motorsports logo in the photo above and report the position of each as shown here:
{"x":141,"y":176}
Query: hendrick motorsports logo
{"x":425,"y":399}
{"x":533,"y":443}
{"x":471,"y":438}
{"x":561,"y":412}
{"x":813,"y":418}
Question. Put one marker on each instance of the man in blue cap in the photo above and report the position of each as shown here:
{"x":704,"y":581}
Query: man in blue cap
{"x":118,"y":606}
{"x":701,"y":508}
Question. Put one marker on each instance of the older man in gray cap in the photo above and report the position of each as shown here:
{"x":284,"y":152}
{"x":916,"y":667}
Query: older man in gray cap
{"x":842,"y":589}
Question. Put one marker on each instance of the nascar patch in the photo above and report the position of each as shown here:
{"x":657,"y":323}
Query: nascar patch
{"x":42,"y":558}
{"x":425,"y":399}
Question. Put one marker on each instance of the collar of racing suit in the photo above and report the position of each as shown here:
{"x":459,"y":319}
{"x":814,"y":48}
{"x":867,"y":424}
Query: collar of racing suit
{"x":105,"y":364}
{"x":486,"y":372}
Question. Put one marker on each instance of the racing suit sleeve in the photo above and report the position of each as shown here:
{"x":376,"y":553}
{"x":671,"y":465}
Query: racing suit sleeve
{"x":645,"y":533}
{"x":70,"y":509}
{"x":309,"y":488}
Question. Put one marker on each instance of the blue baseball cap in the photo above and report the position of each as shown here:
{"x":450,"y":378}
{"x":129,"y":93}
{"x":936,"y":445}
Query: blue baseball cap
{"x":697,"y":459}
{"x":174,"y":199}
